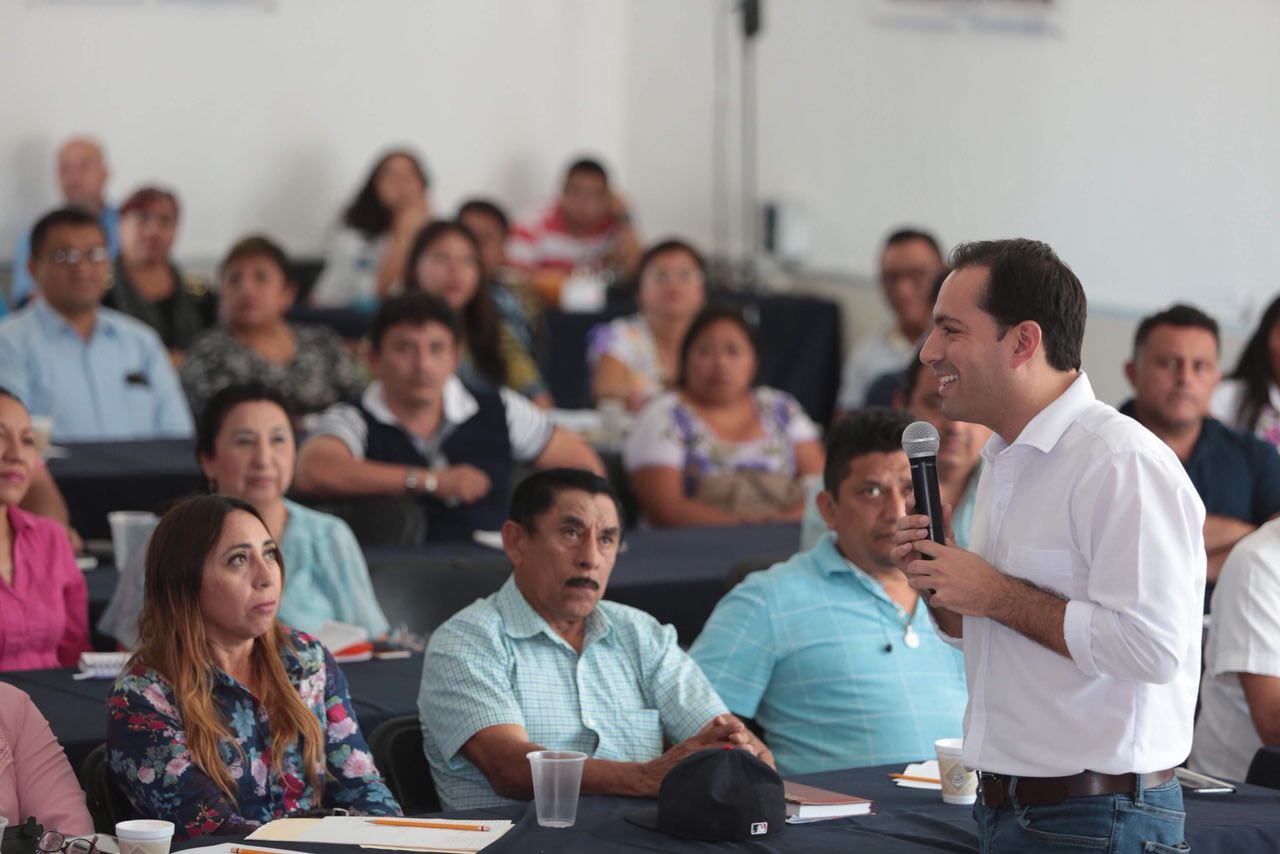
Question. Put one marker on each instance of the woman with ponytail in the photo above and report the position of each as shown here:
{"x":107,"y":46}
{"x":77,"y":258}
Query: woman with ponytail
{"x":224,"y":719}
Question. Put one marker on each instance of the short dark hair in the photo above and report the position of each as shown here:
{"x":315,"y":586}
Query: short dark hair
{"x":144,"y":197}
{"x":61,"y":216}
{"x":485,"y":207}
{"x":662,"y":247}
{"x":586,"y":166}
{"x":414,"y":307}
{"x":537,"y":493}
{"x":366,"y":213}
{"x":904,"y":235}
{"x":4,"y":392}
{"x":257,"y":246}
{"x":868,"y":431}
{"x":1026,"y":280}
{"x":709,"y":315}
{"x":226,"y":399}
{"x":1181,"y":315}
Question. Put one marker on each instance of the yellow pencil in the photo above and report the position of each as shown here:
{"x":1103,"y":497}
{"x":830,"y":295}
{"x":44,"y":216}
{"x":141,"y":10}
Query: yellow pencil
{"x":237,"y":849}
{"x":914,"y":779}
{"x":437,"y":825}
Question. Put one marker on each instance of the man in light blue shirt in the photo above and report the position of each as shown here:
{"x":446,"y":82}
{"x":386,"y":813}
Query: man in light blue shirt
{"x":99,"y":374}
{"x":544,"y":664}
{"x":82,"y":178}
{"x":831,"y":651}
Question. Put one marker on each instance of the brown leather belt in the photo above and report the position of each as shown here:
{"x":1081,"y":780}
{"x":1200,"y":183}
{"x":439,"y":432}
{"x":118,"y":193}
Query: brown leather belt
{"x":993,"y":789}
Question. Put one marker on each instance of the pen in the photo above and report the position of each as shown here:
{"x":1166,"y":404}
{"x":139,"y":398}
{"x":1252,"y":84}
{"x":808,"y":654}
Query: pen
{"x":437,"y":825}
{"x":914,"y":779}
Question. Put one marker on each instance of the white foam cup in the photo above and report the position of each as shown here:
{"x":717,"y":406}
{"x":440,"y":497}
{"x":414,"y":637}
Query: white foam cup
{"x":144,"y":836}
{"x":959,"y":784}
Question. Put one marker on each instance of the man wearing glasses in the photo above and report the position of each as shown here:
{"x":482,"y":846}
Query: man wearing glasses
{"x":99,"y":374}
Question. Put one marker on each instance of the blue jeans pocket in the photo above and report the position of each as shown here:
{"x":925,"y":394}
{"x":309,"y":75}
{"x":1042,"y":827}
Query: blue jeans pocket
{"x":1083,"y":823}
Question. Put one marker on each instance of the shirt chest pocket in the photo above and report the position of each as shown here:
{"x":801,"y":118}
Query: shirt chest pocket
{"x":1048,"y":569}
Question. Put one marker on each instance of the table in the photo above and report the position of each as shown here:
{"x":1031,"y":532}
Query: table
{"x":77,"y":711}
{"x":905,"y":821}
{"x":98,"y":477}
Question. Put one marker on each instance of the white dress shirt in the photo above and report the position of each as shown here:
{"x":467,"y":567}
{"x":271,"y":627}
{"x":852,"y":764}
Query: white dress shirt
{"x":1244,"y":638}
{"x":1088,"y":504}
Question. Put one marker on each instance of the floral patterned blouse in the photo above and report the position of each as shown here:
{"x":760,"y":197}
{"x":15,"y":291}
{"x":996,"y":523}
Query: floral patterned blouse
{"x":148,"y":756}
{"x":630,"y":341}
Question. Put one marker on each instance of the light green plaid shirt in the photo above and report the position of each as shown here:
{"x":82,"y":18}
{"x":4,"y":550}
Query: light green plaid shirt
{"x":498,"y":662}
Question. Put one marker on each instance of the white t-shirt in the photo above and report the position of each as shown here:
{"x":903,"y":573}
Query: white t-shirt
{"x":1244,"y":637}
{"x":350,"y":274}
{"x":887,"y":351}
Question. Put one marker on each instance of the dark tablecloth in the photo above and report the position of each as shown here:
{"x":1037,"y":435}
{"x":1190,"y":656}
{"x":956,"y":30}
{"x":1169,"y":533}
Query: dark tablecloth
{"x":77,"y":711}
{"x":905,"y":821}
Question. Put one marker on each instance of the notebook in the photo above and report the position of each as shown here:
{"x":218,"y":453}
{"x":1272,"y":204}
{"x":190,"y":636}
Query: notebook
{"x":809,"y":803}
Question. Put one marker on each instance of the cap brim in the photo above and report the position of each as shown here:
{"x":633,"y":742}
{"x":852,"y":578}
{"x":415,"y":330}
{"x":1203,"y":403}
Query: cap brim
{"x":646,"y":818}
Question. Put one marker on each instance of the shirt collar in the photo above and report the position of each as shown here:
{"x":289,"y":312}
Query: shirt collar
{"x":52,"y":322}
{"x":832,"y":562}
{"x":459,"y":404}
{"x":20,"y":520}
{"x":1046,"y":428}
{"x":519,"y":620}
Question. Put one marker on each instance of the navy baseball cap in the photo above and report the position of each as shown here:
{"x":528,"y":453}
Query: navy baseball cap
{"x":718,"y":795}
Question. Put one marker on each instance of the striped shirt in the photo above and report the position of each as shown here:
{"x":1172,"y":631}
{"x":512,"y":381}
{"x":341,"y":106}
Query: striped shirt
{"x":546,"y":241}
{"x":498,"y":662}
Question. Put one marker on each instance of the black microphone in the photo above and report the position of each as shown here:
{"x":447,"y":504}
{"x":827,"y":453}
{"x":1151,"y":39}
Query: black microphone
{"x":920,"y":441}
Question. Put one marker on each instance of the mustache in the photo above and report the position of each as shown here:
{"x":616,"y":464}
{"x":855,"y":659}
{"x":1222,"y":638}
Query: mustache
{"x":582,"y":581}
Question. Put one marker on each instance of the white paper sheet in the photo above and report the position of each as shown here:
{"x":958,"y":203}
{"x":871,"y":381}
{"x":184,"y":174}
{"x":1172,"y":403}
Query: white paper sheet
{"x":921,"y":769}
{"x":360,"y":830}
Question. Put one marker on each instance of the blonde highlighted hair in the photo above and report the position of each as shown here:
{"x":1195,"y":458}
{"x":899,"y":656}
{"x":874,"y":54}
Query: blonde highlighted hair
{"x":171,"y":640}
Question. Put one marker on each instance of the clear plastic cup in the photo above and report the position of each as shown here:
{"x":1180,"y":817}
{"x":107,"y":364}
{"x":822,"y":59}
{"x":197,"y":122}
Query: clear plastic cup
{"x":144,"y":836}
{"x":4,"y":822}
{"x":959,"y":784}
{"x":557,"y":777}
{"x":129,"y":530}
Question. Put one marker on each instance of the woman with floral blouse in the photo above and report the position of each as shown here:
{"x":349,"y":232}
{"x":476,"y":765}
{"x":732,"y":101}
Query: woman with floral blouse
{"x":224,"y":719}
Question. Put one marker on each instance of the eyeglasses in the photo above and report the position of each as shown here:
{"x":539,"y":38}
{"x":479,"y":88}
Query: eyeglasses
{"x":72,"y":257}
{"x":53,"y":842}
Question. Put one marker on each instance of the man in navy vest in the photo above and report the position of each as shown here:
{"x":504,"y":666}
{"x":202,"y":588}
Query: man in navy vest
{"x":420,"y":432}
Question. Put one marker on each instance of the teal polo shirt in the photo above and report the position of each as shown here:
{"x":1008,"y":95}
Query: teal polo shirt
{"x":801,"y":647}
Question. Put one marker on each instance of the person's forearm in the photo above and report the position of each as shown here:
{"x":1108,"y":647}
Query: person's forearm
{"x":625,"y":779}
{"x":682,"y":512}
{"x":1033,"y":613}
{"x":1221,"y":533}
{"x":349,"y":477}
{"x":391,"y":266}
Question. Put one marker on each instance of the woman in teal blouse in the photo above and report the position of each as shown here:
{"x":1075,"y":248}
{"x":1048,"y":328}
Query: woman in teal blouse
{"x":246,"y":449}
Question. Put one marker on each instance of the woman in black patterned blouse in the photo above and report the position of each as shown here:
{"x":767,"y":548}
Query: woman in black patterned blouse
{"x":310,"y":365}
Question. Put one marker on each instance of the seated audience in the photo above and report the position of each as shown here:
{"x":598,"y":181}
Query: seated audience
{"x":366,"y":257}
{"x":35,"y":777}
{"x":1249,"y":399}
{"x":442,"y":451}
{"x":635,"y":358}
{"x":99,"y":374}
{"x":720,"y":450}
{"x":146,"y":283}
{"x":1240,"y":690}
{"x":909,"y":263}
{"x":82,"y":179}
{"x":255,"y":343}
{"x":445,"y":261}
{"x":246,"y":450}
{"x":832,"y":651}
{"x":959,"y":456}
{"x":587,"y":227}
{"x":44,"y":604}
{"x":1237,"y":475}
{"x":546,"y":663}
{"x":224,"y":719}
{"x":489,"y":225}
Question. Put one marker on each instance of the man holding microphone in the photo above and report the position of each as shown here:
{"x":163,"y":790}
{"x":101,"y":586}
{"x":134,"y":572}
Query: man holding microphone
{"x":1078,"y":606}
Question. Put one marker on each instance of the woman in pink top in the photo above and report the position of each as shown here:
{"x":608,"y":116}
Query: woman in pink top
{"x":44,"y":605}
{"x":35,"y":777}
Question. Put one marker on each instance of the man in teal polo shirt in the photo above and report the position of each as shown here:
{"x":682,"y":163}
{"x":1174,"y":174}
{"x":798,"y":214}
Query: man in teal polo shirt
{"x":545,"y":664}
{"x":831,"y":651}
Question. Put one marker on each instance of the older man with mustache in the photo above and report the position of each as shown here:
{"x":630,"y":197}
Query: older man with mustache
{"x":545,"y":664}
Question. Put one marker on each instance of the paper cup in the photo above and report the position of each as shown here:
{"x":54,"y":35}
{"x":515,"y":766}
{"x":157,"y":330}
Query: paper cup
{"x":42,"y":426}
{"x":129,"y":530}
{"x":144,"y":836}
{"x":557,"y":777}
{"x":959,"y":784}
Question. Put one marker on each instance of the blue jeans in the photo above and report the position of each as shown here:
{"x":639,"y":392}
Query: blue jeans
{"x":1145,"y":821}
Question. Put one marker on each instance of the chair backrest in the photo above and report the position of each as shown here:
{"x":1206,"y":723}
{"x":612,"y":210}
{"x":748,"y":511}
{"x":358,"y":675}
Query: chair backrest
{"x":1264,"y":770}
{"x":106,"y":802}
{"x":397,"y":751}
{"x":422,"y":594}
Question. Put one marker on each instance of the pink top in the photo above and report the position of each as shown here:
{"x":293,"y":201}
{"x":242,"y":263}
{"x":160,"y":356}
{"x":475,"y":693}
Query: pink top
{"x":44,"y":611}
{"x":35,"y":777}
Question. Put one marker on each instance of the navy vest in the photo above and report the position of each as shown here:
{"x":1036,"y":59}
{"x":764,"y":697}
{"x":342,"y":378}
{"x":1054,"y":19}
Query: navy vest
{"x":481,"y":441}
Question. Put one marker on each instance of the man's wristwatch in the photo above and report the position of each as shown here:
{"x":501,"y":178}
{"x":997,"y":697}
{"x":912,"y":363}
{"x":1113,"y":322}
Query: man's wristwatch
{"x":428,"y":481}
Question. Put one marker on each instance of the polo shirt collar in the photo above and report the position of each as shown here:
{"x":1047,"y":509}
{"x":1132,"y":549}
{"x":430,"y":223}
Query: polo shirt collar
{"x":459,"y":404}
{"x":1046,"y":428}
{"x":52,"y":322}
{"x":520,"y":621}
{"x":832,"y":562}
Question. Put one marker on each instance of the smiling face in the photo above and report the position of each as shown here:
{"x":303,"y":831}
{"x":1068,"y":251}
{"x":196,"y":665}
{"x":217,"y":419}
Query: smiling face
{"x":960,"y":443}
{"x":17,"y":451}
{"x":1173,"y":376}
{"x":721,"y":364}
{"x":253,"y":454}
{"x":866,"y":508}
{"x":450,"y":269}
{"x":240,"y":582}
{"x":562,"y":566}
{"x":147,"y":233}
{"x":970,"y":358}
{"x":254,"y":293}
